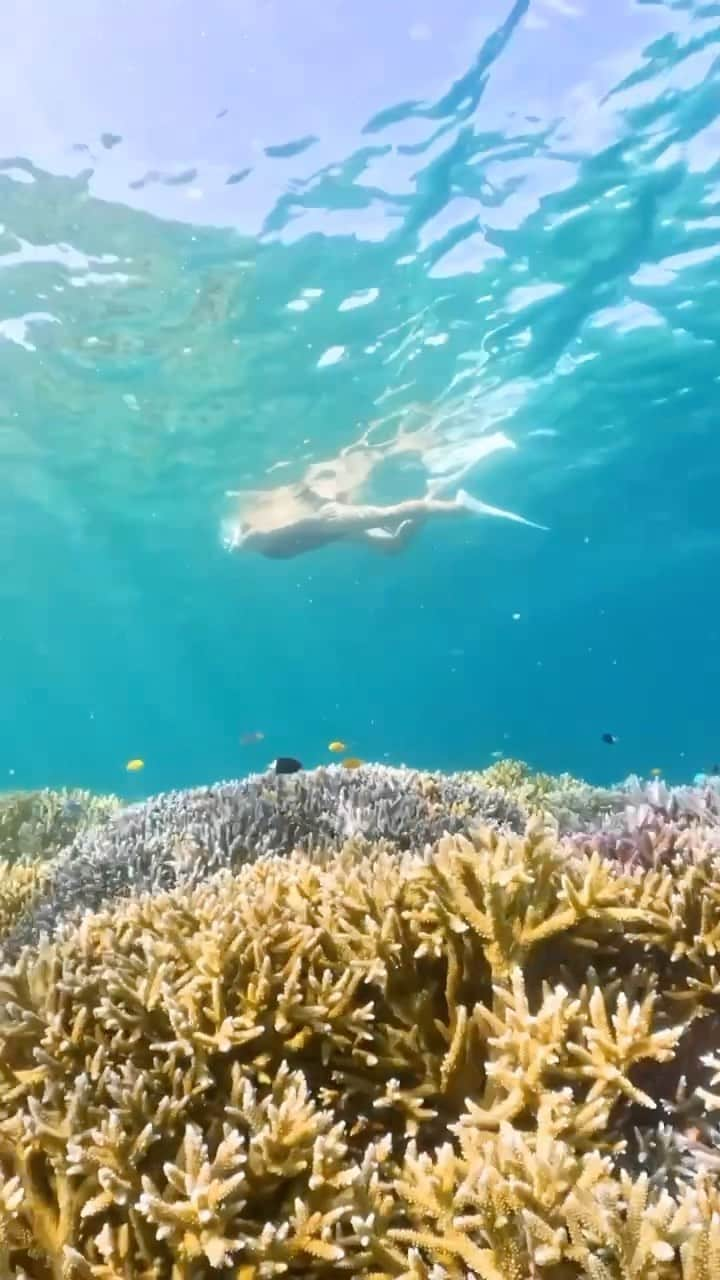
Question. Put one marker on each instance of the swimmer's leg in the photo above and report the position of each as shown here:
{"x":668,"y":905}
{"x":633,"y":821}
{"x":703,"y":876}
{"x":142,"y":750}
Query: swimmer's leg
{"x":348,"y":521}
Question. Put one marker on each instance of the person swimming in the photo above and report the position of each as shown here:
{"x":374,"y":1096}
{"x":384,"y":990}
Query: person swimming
{"x":387,"y":529}
{"x":322,"y":508}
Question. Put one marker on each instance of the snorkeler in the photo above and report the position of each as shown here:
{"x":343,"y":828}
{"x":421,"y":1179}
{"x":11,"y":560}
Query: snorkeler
{"x":386,"y":529}
{"x":322,"y":508}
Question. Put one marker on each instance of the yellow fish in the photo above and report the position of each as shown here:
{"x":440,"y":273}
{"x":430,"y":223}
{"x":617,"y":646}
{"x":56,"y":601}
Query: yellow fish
{"x":352,"y":762}
{"x":656,"y":773}
{"x":134,"y":766}
{"x":337,"y":746}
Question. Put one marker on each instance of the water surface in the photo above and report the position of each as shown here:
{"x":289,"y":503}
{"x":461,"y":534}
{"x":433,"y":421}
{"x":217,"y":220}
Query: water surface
{"x":230,"y":242}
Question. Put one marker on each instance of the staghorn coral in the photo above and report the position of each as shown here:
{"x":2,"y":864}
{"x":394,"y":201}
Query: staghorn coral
{"x":623,"y":814}
{"x":185,"y":836}
{"x":35,"y":824}
{"x":572,"y":803}
{"x":529,"y":787}
{"x":652,"y":811}
{"x":380,"y":1063}
{"x":651,"y":835}
{"x":517,"y":777}
{"x":684,"y":803}
{"x":20,"y":884}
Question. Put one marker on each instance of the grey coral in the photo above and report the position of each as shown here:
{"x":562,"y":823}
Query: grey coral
{"x":184,"y":837}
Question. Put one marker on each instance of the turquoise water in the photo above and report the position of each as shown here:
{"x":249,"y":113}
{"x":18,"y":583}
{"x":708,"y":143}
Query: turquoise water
{"x":520,"y":234}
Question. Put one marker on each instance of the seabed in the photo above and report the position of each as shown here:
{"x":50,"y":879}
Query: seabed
{"x":384,"y":1023}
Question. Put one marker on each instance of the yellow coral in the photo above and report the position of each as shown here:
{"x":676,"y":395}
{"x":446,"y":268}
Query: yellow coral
{"x":20,"y":882}
{"x":380,"y":1065}
{"x":38,"y":824}
{"x":528,"y":787}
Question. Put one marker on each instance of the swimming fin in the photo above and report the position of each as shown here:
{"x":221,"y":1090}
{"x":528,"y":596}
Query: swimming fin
{"x":479,"y":508}
{"x":449,"y":464}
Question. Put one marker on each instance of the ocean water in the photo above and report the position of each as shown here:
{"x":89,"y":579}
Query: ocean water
{"x":236,"y":239}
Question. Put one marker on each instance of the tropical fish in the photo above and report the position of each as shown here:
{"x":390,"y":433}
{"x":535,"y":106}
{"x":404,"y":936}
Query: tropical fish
{"x":247,"y":739}
{"x":656,"y":773}
{"x":287,"y":764}
{"x":352,"y":762}
{"x":134,"y":766}
{"x":610,"y":739}
{"x":496,"y":755}
{"x":337,"y":746}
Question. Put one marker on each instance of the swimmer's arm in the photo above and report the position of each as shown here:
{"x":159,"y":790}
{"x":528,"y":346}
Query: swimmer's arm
{"x":391,"y":541}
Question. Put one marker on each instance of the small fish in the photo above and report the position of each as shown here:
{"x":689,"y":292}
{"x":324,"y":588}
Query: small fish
{"x":287,"y":764}
{"x":610,"y":739}
{"x":337,"y":746}
{"x":496,"y":755}
{"x":352,"y":762}
{"x":247,"y":739}
{"x":134,"y":766}
{"x":715,"y":770}
{"x":72,"y":809}
{"x":656,"y":773}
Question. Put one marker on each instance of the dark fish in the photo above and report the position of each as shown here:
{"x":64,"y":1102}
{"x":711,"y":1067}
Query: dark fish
{"x":287,"y":764}
{"x":610,"y":738}
{"x":715,"y":770}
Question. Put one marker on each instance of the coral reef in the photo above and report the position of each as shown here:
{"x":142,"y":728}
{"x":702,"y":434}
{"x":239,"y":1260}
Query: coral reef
{"x":37,"y":824}
{"x":397,"y":1052}
{"x":644,"y":822}
{"x":185,"y":836}
{"x":658,"y":824}
{"x":574,"y":804}
{"x":529,"y":787}
{"x":20,"y":885}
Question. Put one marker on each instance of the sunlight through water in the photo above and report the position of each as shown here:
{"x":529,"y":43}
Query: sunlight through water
{"x":272,"y":272}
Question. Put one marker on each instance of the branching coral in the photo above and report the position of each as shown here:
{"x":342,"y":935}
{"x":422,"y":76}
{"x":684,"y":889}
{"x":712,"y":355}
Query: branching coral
{"x":571,"y":802}
{"x":35,"y":824}
{"x":529,"y":787}
{"x":378,"y":1063}
{"x":626,"y":821}
{"x":20,"y":885}
{"x":185,"y":836}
